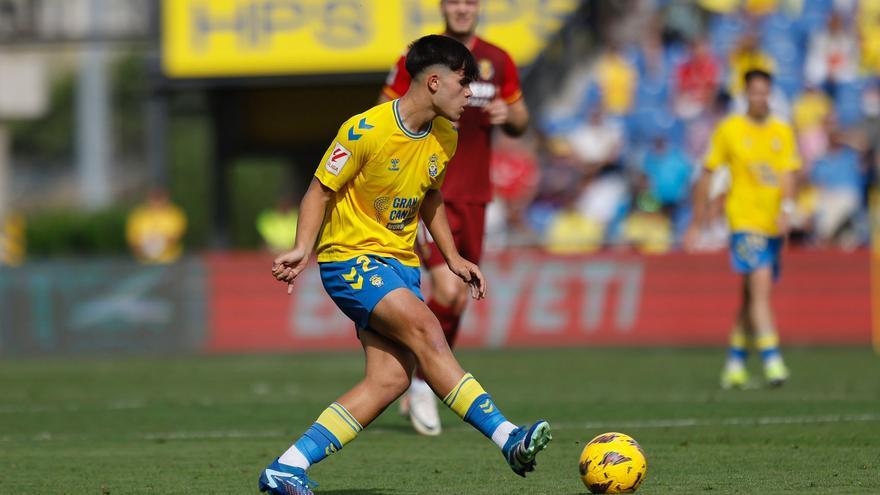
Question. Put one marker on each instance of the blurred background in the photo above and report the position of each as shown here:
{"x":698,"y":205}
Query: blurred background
{"x":153,"y":154}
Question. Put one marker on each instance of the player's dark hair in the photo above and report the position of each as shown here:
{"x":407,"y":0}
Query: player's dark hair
{"x":435,"y":49}
{"x":757,"y":74}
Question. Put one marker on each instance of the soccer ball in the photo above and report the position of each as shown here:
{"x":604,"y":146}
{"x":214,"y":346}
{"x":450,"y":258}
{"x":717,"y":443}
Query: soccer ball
{"x":613,"y":463}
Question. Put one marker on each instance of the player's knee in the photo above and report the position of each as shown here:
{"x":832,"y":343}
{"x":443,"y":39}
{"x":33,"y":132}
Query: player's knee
{"x":451,"y":295}
{"x":390,"y":386}
{"x":429,"y":338}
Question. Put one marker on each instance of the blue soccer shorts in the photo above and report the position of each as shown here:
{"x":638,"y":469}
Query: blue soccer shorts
{"x":749,"y":251}
{"x":357,"y":285}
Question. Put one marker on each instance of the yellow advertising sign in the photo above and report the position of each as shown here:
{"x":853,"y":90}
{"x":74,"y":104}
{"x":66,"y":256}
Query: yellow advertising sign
{"x":235,"y":38}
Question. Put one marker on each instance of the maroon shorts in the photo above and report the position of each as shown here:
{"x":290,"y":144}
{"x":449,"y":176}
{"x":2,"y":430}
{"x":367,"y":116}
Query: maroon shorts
{"x":467,"y":221}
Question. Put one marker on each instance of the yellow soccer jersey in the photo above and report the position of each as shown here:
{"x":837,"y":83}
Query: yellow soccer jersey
{"x":758,"y":154}
{"x":380,"y":171}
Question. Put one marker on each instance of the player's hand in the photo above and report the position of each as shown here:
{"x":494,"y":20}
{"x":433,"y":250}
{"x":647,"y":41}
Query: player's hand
{"x":471,"y":275}
{"x":286,"y":267}
{"x":783,"y":223}
{"x":497,"y":111}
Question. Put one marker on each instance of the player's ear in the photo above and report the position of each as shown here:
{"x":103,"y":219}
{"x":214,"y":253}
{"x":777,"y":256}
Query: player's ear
{"x":433,"y":81}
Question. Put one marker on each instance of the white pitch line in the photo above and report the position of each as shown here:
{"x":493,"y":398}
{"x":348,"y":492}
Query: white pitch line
{"x":591,"y":425}
{"x":745,"y":421}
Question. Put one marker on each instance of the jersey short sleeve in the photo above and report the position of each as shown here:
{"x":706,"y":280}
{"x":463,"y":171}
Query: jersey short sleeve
{"x":718,"y":153}
{"x":789,"y":158}
{"x":349,"y":152}
{"x":510,"y":88}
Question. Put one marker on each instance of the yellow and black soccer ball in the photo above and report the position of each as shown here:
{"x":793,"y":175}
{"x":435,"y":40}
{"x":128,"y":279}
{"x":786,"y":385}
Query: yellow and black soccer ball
{"x":613,"y":463}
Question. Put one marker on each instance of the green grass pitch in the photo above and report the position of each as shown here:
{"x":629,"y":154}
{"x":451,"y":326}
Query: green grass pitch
{"x":210,"y":424}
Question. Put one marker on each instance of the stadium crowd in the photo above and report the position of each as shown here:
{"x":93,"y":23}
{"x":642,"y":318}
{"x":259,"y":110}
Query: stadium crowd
{"x":614,"y":165}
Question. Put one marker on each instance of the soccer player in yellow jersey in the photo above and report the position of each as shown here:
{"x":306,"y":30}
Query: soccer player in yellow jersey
{"x":381,"y":174}
{"x":762,"y":156}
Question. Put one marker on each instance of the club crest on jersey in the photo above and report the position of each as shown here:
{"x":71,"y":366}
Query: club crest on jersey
{"x":433,"y":168}
{"x":337,"y":159}
{"x":486,"y":69}
{"x":380,"y":205}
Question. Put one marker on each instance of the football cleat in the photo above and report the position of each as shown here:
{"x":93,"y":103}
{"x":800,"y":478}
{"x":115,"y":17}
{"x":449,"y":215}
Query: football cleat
{"x":281,"y":479}
{"x":775,"y":373}
{"x":423,"y":412}
{"x":523,"y":445}
{"x":734,"y":378}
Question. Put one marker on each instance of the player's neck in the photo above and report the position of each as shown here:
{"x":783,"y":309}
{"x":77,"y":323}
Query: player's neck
{"x":758,"y":118}
{"x":467,"y":40}
{"x":415,"y":112}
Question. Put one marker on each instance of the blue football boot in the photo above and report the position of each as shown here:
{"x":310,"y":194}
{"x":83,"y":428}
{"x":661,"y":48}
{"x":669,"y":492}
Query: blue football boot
{"x":524,"y":444}
{"x":280,"y":479}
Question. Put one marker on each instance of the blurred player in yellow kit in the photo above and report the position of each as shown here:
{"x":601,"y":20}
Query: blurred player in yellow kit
{"x":380,"y":176}
{"x":762,"y":156}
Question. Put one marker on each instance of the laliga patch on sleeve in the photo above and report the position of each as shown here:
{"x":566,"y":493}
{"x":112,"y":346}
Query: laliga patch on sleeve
{"x":337,"y":159}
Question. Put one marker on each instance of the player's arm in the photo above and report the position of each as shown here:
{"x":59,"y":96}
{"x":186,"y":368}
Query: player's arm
{"x":701,"y":198}
{"x":312,"y":208}
{"x":788,"y":181}
{"x":715,"y":158}
{"x":433,"y":214}
{"x":509,"y":110}
{"x":341,"y":162}
{"x":513,"y":118}
{"x":787,"y":186}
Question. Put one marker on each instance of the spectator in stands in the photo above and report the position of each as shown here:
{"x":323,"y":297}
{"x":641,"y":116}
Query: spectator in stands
{"x":745,"y":57}
{"x":668,"y":172}
{"x":868,"y":18}
{"x":833,"y":55}
{"x":617,"y":80}
{"x":515,"y":176}
{"x":570,"y":232}
{"x":760,"y":7}
{"x":748,"y":56}
{"x":12,"y":239}
{"x":840,"y":179}
{"x":696,"y":80}
{"x":597,"y":143}
{"x":811,"y":111}
{"x":277,"y":226}
{"x":155,"y":229}
{"x":647,"y":228}
{"x":654,"y":63}
{"x":596,"y":149}
{"x":699,"y":130}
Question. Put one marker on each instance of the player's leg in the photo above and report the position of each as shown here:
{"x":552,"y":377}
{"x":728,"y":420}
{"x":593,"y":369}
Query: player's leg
{"x":448,"y":301}
{"x":766,"y":338}
{"x":404,"y":318}
{"x":388,"y":370}
{"x":734,"y":374}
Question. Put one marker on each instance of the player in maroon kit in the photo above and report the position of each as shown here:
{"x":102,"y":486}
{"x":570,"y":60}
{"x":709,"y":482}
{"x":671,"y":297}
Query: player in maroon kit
{"x":496,"y":100}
